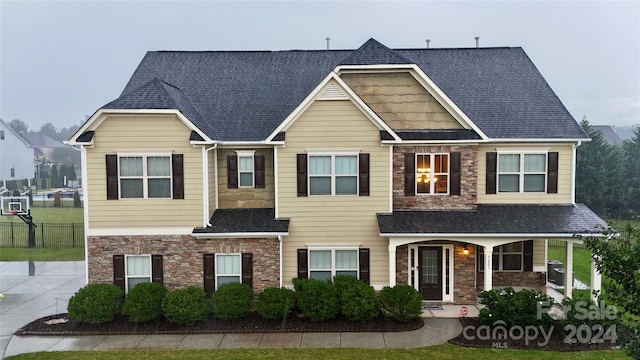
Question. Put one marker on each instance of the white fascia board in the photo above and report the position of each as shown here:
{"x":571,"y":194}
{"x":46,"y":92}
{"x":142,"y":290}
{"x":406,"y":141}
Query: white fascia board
{"x":239,"y":235}
{"x":520,"y":141}
{"x":300,"y":109}
{"x":99,"y":116}
{"x":440,"y":236}
{"x":139,"y":231}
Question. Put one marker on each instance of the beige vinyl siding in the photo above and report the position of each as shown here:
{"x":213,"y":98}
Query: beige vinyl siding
{"x":243,"y":197}
{"x":334,"y":220}
{"x":539,"y":253}
{"x":140,"y":133}
{"x":565,"y":159}
{"x":400,"y":101}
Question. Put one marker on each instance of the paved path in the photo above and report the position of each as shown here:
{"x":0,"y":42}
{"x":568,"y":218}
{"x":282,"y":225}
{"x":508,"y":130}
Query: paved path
{"x":36,"y":289}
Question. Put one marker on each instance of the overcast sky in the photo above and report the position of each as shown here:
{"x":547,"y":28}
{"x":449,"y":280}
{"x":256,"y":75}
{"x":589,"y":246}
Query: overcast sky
{"x":61,"y":61}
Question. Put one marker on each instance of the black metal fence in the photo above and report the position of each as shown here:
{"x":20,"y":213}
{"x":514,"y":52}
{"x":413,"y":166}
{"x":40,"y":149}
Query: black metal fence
{"x":16,"y":235}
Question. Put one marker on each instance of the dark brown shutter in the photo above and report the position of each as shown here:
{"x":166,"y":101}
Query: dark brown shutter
{"x":492,"y":171}
{"x":364,"y":265}
{"x":208,"y":261}
{"x":527,"y":253}
{"x":303,"y":261}
{"x":363,"y":174}
{"x":258,"y":166}
{"x":552,"y":173}
{"x":177,"y":168}
{"x":301,"y":165}
{"x":118,"y":271}
{"x":247,"y":269}
{"x":455,"y":172}
{"x":409,"y":174}
{"x":112,"y":176}
{"x":157,"y":272}
{"x":232,"y":171}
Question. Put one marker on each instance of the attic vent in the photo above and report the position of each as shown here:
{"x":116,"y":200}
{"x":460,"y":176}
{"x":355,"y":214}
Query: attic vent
{"x":333,"y":92}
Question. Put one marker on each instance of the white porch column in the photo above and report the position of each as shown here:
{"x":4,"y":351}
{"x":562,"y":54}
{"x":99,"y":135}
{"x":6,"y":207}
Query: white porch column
{"x":596,"y":281}
{"x":392,"y":265}
{"x":568,"y":269}
{"x":488,"y":268}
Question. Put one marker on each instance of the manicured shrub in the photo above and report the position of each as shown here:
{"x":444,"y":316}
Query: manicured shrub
{"x":144,"y":302}
{"x":232,"y":301}
{"x":401,"y":302}
{"x":275,"y":303}
{"x":318,"y":300}
{"x":514,"y":307}
{"x":358,"y":300}
{"x":76,"y":199}
{"x":96,"y":303}
{"x":185,"y":306}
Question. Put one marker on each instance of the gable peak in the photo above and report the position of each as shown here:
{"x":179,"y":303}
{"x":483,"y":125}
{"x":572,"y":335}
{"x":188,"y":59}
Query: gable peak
{"x":373,"y":52}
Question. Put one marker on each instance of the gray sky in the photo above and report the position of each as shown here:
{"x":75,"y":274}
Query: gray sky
{"x":61,"y":61}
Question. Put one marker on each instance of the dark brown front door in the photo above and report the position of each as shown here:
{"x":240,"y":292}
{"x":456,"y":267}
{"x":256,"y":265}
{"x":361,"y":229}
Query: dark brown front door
{"x":430,"y":272}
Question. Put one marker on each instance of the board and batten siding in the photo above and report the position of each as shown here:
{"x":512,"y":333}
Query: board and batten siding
{"x":140,"y":133}
{"x":334,"y":220}
{"x":565,"y":160}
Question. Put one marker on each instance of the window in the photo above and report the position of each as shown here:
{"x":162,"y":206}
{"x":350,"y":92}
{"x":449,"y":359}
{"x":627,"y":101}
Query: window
{"x":228,"y":269}
{"x":333,"y":174}
{"x":508,"y":257}
{"x":138,"y":270}
{"x":245,"y":171}
{"x":324,"y":264}
{"x":145,"y":176}
{"x":432,"y":173}
{"x":1,"y":134}
{"x":522,"y":172}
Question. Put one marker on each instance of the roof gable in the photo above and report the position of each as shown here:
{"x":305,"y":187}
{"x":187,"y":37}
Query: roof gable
{"x":374,"y":53}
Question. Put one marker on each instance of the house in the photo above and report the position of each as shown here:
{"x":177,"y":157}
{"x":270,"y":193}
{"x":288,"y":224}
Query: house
{"x":417,"y":166}
{"x":608,"y":134}
{"x":43,"y":148}
{"x":16,"y":156}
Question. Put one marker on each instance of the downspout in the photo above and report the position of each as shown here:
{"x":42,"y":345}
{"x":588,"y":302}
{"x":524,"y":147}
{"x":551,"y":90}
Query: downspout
{"x":573,"y":171}
{"x":206,"y":183}
{"x":280,"y":252}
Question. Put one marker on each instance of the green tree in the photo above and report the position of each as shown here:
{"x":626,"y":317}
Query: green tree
{"x":18,"y":125}
{"x":50,"y":130}
{"x":632,"y":170}
{"x":54,"y":178}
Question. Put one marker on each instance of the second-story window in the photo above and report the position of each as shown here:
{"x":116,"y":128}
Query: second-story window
{"x":145,"y":176}
{"x":245,"y":170}
{"x":333,"y":174}
{"x":432,"y":173}
{"x":522,"y":172}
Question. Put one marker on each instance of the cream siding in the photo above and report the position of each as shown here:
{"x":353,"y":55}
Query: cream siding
{"x":131,"y":133}
{"x":400,"y":101}
{"x":565,"y":161}
{"x":334,"y":220}
{"x":244,"y":197}
{"x":539,"y":253}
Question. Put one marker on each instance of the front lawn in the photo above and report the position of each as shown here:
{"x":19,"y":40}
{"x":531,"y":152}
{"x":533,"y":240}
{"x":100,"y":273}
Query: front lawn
{"x":41,"y":254}
{"x":52,"y":215}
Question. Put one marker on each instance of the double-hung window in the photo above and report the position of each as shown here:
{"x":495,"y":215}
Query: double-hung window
{"x":432,"y":173}
{"x":228,"y":269}
{"x":145,"y":176}
{"x":325,"y":263}
{"x":333,"y":174}
{"x":522,"y":172}
{"x":508,"y":257}
{"x":245,"y":168}
{"x":138,"y":270}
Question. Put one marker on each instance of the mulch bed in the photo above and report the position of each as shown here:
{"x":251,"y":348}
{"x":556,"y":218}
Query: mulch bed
{"x":252,"y":324}
{"x":556,"y":340}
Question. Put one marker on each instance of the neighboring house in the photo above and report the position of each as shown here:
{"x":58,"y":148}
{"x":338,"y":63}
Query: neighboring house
{"x":43,"y":148}
{"x":608,"y":134}
{"x":16,"y":156}
{"x":417,"y":166}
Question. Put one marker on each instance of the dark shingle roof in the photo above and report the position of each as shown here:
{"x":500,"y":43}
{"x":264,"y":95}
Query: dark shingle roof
{"x":608,"y":134}
{"x":495,"y":219}
{"x":234,"y":221}
{"x":245,"y":95}
{"x":41,"y":140}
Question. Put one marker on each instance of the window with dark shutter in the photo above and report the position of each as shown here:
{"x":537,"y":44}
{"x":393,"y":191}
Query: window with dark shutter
{"x":112,"y":176}
{"x":247,"y":269}
{"x":209,"y":273}
{"x":301,"y":170}
{"x":492,"y":169}
{"x":552,"y":173}
{"x":177,"y":169}
{"x":527,"y":251}
{"x":258,"y":163}
{"x":232,"y":171}
{"x":118,"y":271}
{"x":157,"y":271}
{"x":455,"y":172}
{"x":409,"y":174}
{"x":364,"y":265}
{"x":363,"y":174}
{"x":303,"y":267}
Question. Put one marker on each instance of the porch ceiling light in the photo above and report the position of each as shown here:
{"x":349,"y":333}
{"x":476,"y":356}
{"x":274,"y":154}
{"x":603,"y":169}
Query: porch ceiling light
{"x":465,"y":250}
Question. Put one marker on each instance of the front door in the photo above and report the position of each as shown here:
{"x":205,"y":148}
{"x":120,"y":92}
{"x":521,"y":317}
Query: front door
{"x":430,"y":272}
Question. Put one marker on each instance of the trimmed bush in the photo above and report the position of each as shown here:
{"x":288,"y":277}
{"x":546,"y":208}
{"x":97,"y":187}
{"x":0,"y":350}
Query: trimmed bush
{"x":185,"y":306}
{"x":96,"y":303}
{"x":401,"y":302}
{"x":232,"y":301}
{"x":144,"y":302}
{"x":358,"y":300}
{"x":513,"y":307}
{"x":275,"y":303}
{"x":318,"y":300}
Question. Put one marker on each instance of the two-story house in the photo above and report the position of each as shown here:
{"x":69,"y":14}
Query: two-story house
{"x":446,"y":169}
{"x":16,"y":156}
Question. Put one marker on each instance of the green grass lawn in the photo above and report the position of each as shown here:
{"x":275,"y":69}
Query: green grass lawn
{"x":41,"y":254}
{"x":445,"y":351}
{"x":581,"y":261}
{"x":52,"y":215}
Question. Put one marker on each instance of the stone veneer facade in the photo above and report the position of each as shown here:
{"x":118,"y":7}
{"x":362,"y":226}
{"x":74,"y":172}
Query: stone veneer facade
{"x":468,"y":180}
{"x":182,"y":257}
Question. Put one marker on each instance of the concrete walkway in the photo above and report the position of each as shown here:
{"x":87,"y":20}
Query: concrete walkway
{"x":36,"y":289}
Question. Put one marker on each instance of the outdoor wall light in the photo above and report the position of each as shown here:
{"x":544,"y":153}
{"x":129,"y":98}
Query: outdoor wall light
{"x":465,"y":250}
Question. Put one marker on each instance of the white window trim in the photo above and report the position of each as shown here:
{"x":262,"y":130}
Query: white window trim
{"x":247,"y":154}
{"x":500,"y":253}
{"x":333,"y":174}
{"x":215,"y":265}
{"x":145,"y":177}
{"x":126,"y":270}
{"x":521,"y":173}
{"x":432,"y":174}
{"x":333,"y":259}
